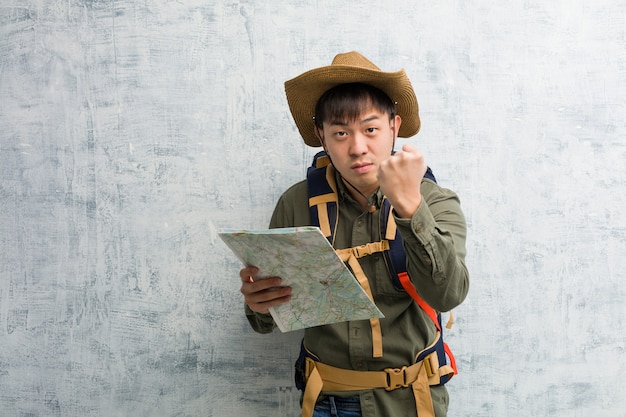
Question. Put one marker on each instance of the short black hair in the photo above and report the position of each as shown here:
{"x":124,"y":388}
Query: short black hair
{"x":349,"y":101}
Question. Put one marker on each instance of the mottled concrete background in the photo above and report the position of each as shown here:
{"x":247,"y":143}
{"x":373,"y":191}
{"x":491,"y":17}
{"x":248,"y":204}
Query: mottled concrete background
{"x":132,"y":131}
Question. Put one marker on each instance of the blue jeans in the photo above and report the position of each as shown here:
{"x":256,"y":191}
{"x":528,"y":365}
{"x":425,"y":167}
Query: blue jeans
{"x":338,"y":407}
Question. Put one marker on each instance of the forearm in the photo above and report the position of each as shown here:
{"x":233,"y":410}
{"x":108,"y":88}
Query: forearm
{"x":434,"y":241}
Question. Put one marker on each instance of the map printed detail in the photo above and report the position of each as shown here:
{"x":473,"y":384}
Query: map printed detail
{"x":324,"y":291}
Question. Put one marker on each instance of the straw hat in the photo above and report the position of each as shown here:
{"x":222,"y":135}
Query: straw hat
{"x":305,"y":90}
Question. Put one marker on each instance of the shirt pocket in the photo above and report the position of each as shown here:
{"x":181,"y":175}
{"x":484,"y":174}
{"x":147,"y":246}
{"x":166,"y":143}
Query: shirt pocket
{"x":379,"y":277}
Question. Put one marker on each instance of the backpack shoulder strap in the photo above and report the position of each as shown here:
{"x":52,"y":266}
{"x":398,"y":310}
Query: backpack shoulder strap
{"x":322,"y":190}
{"x":429,"y":174}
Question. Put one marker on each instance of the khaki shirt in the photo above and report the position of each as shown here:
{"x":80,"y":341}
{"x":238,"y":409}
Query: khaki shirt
{"x":434,"y":240}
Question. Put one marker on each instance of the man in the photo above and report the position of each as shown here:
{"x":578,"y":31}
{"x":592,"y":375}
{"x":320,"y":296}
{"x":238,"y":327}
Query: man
{"x":355,"y":111}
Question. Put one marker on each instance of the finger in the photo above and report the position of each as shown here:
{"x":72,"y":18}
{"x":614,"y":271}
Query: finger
{"x":263,"y":308}
{"x":259,"y":285}
{"x":262,"y":301}
{"x":269,"y":295}
{"x":246,"y":274}
{"x":412,"y":155}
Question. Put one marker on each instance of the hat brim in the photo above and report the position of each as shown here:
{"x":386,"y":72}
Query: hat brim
{"x":305,"y":90}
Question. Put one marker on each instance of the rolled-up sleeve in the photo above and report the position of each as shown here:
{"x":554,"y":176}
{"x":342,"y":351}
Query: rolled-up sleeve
{"x":260,"y":323}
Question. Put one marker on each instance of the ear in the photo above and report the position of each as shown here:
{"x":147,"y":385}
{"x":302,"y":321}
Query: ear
{"x":397,"y":121}
{"x":395,"y":126}
{"x":320,"y":135}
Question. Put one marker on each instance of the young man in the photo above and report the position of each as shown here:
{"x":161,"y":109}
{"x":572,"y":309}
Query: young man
{"x":355,"y":111}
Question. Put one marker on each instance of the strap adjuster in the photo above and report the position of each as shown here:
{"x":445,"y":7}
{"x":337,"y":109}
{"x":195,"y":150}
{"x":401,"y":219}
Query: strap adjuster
{"x":396,"y":378}
{"x":430,"y":369}
{"x":370,"y":248}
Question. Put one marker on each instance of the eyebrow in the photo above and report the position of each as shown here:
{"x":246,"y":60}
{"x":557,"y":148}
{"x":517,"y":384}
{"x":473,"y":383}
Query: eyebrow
{"x":344,"y":123}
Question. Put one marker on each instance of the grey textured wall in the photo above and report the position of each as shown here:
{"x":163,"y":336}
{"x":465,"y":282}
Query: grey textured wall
{"x":132,"y":131}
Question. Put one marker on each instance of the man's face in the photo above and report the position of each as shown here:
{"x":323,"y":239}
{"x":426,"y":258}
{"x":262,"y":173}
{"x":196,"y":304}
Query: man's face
{"x":358,"y":147}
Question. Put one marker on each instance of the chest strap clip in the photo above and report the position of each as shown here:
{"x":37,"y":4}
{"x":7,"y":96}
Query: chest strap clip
{"x":396,"y":378}
{"x":370,"y":248}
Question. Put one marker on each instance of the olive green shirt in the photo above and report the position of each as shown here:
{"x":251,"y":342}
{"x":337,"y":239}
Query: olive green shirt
{"x":434,"y":241}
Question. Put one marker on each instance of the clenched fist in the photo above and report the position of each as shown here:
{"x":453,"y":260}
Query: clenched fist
{"x":400,"y":177}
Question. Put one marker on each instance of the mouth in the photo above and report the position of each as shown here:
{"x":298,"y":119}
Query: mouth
{"x":361,"y":167}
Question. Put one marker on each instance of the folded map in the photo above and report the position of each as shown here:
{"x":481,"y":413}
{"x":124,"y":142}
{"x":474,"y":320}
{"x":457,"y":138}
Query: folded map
{"x":324,"y":291}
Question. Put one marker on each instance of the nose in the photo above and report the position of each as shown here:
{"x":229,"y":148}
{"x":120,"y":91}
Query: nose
{"x":358,"y":145}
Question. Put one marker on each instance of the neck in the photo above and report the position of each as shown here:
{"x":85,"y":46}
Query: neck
{"x":361,"y":198}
